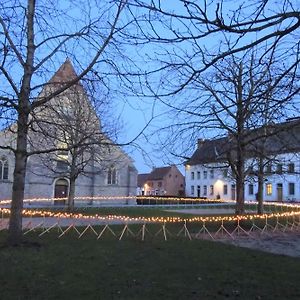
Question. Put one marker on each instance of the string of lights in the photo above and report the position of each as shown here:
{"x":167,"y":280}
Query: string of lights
{"x":294,"y":210}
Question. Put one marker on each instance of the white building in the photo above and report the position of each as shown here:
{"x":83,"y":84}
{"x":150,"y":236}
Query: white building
{"x":208,"y":173}
{"x":108,"y":170}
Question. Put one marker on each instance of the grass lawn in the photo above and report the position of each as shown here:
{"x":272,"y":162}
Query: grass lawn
{"x":68,"y":268}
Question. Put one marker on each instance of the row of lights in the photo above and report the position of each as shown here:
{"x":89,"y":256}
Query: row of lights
{"x":43,"y":213}
{"x":95,"y":198}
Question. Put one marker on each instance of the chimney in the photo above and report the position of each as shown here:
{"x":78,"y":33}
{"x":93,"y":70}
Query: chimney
{"x":200,"y":142}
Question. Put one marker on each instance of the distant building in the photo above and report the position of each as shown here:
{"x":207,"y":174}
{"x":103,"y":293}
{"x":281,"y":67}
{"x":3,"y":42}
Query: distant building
{"x":208,"y":173}
{"x":161,"y":181}
{"x":109,"y":171}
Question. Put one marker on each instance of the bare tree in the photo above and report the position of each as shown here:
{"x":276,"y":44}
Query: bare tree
{"x":34,"y":37}
{"x":238,"y":95}
{"x":191,"y":36}
{"x":194,"y":40}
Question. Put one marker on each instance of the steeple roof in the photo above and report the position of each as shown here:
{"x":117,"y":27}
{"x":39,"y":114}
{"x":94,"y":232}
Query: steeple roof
{"x":65,"y":73}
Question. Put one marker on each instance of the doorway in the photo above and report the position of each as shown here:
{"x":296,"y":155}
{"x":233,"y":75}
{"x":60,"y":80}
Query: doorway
{"x":233,"y":192}
{"x":61,"y":190}
{"x":198,"y":191}
{"x":279,"y":192}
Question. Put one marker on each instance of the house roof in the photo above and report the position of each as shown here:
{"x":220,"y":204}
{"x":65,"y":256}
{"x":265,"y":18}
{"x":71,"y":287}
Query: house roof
{"x":274,"y":138}
{"x":159,"y":173}
{"x":209,"y":151}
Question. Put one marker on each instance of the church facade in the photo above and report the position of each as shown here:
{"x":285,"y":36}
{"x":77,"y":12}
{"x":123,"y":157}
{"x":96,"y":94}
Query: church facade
{"x":85,"y":160}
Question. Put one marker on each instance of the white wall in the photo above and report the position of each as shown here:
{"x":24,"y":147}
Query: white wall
{"x":273,"y":180}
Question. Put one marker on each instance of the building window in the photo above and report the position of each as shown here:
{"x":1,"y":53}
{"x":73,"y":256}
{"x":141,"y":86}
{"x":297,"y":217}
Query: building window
{"x":250,"y":189}
{"x":291,"y":168}
{"x":291,"y":188}
{"x":192,"y":190}
{"x":62,"y":165}
{"x":198,"y":175}
{"x":225,"y":173}
{"x":112,"y":175}
{"x":205,"y":190}
{"x":269,"y":189}
{"x":198,"y":191}
{"x":211,"y":173}
{"x":268,"y":169}
{"x":251,"y":171}
{"x":192,"y":175}
{"x":159,"y":184}
{"x":225,"y":189}
{"x":279,"y":169}
{"x":211,"y":190}
{"x":3,"y":168}
{"x":205,"y":174}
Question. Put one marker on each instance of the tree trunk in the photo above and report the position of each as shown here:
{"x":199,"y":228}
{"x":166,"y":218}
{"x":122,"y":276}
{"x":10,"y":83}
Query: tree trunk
{"x":240,"y":203}
{"x":260,"y":204}
{"x":15,"y":221}
{"x":71,"y":195}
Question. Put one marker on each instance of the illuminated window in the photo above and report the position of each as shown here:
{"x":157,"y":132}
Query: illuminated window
{"x":3,"y":168}
{"x":225,"y":189}
{"x":62,"y":156}
{"x":291,"y":188}
{"x":269,"y":189}
{"x":112,"y":175}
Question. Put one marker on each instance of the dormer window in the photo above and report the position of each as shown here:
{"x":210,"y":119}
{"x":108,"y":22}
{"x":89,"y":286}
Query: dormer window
{"x":291,"y":168}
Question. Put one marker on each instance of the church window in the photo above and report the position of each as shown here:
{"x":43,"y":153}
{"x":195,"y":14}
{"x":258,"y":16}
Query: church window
{"x":112,"y":175}
{"x":3,"y":168}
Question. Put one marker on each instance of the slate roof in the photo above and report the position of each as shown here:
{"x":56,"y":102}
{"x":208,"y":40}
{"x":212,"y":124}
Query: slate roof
{"x":209,"y":151}
{"x":64,"y":75}
{"x":159,"y":173}
{"x":156,"y":174}
{"x":276,"y":138}
{"x":66,"y":72}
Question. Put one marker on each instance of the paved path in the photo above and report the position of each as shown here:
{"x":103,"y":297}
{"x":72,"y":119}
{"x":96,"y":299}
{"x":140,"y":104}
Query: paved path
{"x":207,"y":211}
{"x":277,"y":243}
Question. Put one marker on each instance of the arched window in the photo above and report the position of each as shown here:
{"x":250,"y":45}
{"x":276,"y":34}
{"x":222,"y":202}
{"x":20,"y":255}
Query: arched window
{"x":3,"y":168}
{"x":112,"y":175}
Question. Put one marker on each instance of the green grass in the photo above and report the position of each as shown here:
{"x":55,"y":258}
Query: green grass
{"x":69,"y":268}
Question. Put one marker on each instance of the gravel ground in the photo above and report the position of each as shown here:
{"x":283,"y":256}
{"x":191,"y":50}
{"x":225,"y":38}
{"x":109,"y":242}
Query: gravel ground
{"x":278,"y":243}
